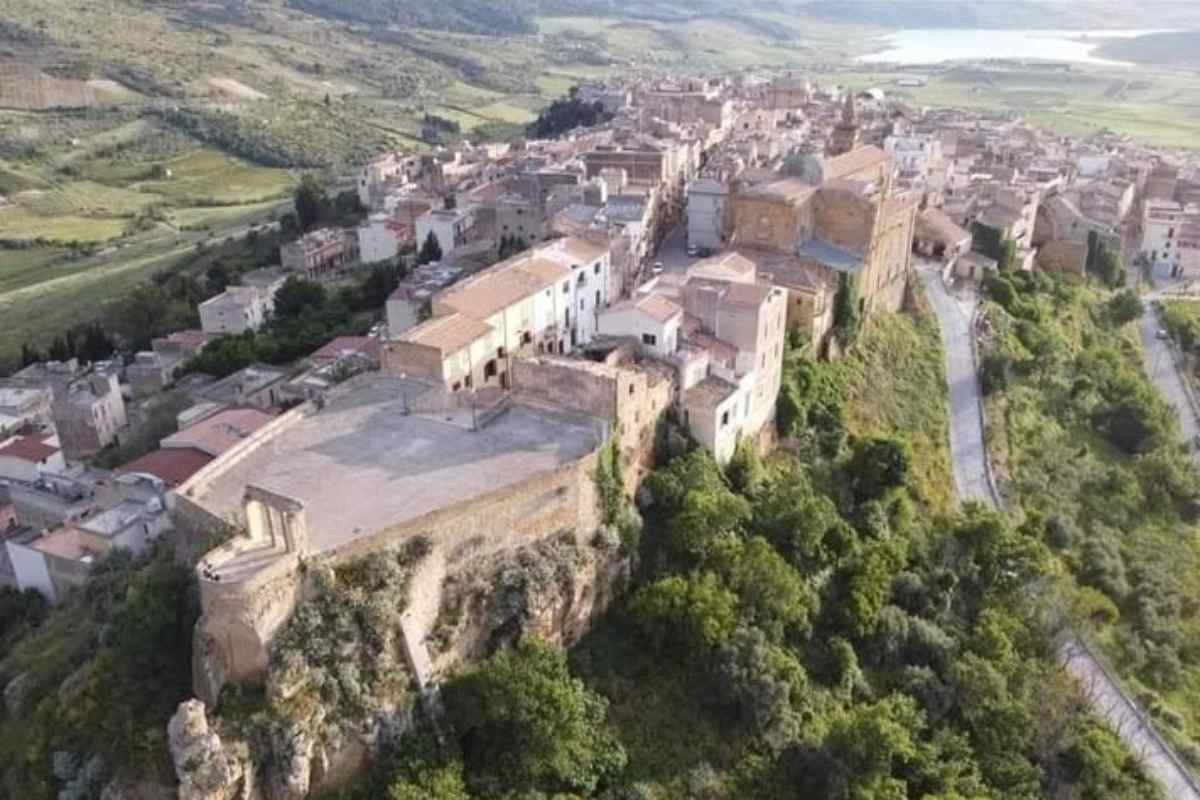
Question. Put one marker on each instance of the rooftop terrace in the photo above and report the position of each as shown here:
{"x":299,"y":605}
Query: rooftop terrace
{"x":361,"y":464}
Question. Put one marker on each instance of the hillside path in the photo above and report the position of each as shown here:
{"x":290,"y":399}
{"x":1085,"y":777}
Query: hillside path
{"x":955,"y":313}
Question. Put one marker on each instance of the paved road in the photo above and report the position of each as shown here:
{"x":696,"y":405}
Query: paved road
{"x":672,"y":252}
{"x":954,"y":313}
{"x":1160,"y":366}
{"x":1108,"y":701}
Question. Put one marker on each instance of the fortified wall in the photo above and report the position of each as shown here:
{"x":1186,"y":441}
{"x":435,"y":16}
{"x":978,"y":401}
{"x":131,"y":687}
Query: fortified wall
{"x":326,"y":486}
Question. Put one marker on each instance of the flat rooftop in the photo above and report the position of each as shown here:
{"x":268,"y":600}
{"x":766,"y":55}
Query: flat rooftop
{"x":361,"y":465}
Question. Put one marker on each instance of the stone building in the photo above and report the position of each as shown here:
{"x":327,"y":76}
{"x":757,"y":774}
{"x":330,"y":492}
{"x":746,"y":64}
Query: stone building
{"x":320,"y":254}
{"x":837,"y":219}
{"x":544,"y":300}
{"x":88,"y":414}
{"x":847,"y":134}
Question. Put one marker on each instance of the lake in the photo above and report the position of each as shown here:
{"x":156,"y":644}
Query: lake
{"x":952,"y":44}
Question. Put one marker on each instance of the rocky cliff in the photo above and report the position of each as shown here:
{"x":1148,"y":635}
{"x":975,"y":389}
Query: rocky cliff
{"x":341,"y":682}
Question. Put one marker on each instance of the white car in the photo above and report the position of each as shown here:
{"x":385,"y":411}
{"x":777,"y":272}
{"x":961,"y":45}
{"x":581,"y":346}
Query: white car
{"x":658,"y":268}
{"x":1161,"y":334}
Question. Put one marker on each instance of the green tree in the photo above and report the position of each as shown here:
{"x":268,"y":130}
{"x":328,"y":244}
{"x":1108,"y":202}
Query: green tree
{"x":526,"y":725}
{"x":845,"y":309}
{"x":1124,"y":307}
{"x":430,"y":251}
{"x":878,"y":466}
{"x":298,"y":295}
{"x":1007,"y":255}
{"x":434,"y":783}
{"x":311,"y":202}
{"x":695,"y":614}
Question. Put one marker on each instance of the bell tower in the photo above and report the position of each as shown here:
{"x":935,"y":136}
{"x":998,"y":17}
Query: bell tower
{"x":847,"y":134}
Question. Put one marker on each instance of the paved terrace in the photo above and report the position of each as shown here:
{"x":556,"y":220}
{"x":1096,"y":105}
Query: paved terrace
{"x":361,"y":464}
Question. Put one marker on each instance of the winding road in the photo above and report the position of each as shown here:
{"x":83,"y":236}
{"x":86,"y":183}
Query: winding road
{"x":955,"y":313}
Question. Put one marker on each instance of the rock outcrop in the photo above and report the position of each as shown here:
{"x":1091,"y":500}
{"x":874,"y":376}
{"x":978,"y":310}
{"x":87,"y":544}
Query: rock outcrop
{"x":207,"y":768}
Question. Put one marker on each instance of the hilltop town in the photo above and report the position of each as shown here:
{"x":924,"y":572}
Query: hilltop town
{"x":560,"y":313}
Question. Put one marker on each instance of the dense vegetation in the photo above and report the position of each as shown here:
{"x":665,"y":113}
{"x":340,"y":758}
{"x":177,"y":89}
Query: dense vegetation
{"x":1089,"y":453}
{"x":485,"y":17}
{"x":566,"y":114}
{"x":800,"y":626}
{"x":90,"y":685}
{"x":307,"y":315}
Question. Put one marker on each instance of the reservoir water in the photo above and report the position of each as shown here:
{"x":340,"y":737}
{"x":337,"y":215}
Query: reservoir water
{"x":934,"y":46}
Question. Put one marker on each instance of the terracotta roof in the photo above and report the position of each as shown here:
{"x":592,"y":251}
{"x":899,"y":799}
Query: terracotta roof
{"x":933,"y":223}
{"x":216,"y":434}
{"x":172,"y":465}
{"x":492,"y":291}
{"x":544,"y":269}
{"x":658,"y":307}
{"x":447,"y":334}
{"x":791,"y":189}
{"x":733,"y":265}
{"x":709,"y":393}
{"x":751,"y":295}
{"x":857,"y":160}
{"x":580,"y":249}
{"x":69,"y":543}
{"x":26,"y":448}
{"x":344,"y":345}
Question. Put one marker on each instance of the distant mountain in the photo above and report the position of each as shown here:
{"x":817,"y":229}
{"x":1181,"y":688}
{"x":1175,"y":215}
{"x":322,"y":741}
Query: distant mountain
{"x":1019,"y":14}
{"x":1179,"y":48}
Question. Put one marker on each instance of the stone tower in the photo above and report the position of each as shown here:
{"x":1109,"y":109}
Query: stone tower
{"x":847,"y":134}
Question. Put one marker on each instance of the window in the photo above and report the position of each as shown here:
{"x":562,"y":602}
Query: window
{"x":631,"y":389}
{"x":468,"y":381}
{"x":581,"y":304}
{"x":566,"y":288}
{"x":1170,"y":233}
{"x":582,"y":279}
{"x":597,"y":298}
{"x":456,"y":386}
{"x":596,"y":269}
{"x":489,"y":369}
{"x":650,"y":339}
{"x":724,"y":418}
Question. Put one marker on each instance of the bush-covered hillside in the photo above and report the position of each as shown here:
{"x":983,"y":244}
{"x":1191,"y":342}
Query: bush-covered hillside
{"x":796,"y":628}
{"x":1090,"y":454}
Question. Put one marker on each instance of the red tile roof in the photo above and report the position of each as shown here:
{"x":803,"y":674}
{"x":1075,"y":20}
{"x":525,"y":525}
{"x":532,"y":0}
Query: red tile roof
{"x":27,"y":448}
{"x":857,"y":160}
{"x":173,"y":465}
{"x":344,"y":345}
{"x":216,"y":434}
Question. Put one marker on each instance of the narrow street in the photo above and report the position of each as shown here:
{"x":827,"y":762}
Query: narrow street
{"x":1103,"y":693}
{"x":967,"y":452}
{"x":1161,"y":369}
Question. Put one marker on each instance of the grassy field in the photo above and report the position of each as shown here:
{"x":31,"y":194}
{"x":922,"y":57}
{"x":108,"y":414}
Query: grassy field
{"x":1157,"y":106}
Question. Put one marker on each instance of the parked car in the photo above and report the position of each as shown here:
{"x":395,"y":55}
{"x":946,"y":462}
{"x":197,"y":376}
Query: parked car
{"x":658,"y":268}
{"x":704,"y":252}
{"x":1161,"y":334}
{"x":692,"y":250}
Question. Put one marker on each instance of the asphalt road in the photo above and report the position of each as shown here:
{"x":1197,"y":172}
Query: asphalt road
{"x":1103,"y":693}
{"x":1160,"y":366}
{"x":1128,"y":721}
{"x":954,"y":313}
